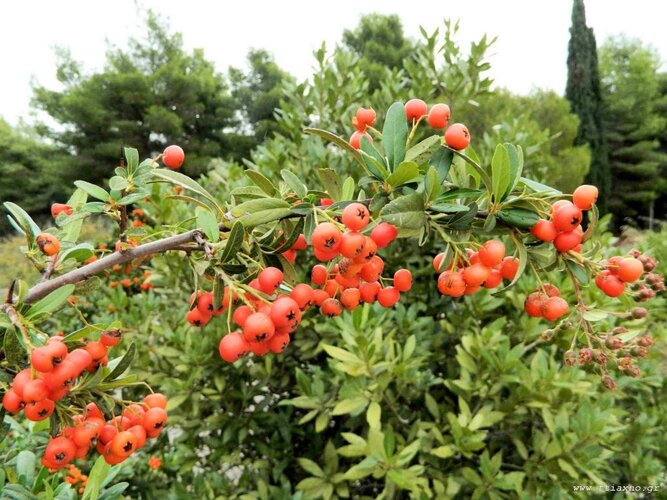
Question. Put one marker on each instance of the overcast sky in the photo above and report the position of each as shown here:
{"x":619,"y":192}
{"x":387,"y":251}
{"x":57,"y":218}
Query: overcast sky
{"x":531,"y":50}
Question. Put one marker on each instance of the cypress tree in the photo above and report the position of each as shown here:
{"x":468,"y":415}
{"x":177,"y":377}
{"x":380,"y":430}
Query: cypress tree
{"x":583,"y":92}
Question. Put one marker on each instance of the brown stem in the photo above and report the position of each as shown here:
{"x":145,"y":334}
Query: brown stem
{"x":82,"y":273}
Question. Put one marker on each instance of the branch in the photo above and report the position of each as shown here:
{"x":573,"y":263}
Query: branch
{"x":82,"y":273}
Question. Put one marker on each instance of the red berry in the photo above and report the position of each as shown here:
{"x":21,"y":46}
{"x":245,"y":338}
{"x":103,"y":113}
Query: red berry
{"x":319,"y":296}
{"x":567,"y":218}
{"x":59,"y":208}
{"x":544,"y":230}
{"x":233,"y":346}
{"x":156,"y":400}
{"x":491,"y":253}
{"x":173,"y":157}
{"x":457,"y":136}
{"x":352,"y":244}
{"x":476,"y":274}
{"x":331,"y":307}
{"x":302,"y":295}
{"x":205,"y":303}
{"x":553,"y":308}
{"x":609,"y":284}
{"x":285,"y":312}
{"x":365,"y":117}
{"x":368,"y":292}
{"x":350,"y":298}
{"x":533,"y":304}
{"x":388,"y":297}
{"x":279,"y":342}
{"x":326,"y":237}
{"x":567,"y":241}
{"x":258,"y":327}
{"x":415,"y":109}
{"x":509,"y":267}
{"x":439,"y":115}
{"x":270,"y":279}
{"x":300,"y":243}
{"x":355,"y":216}
{"x":451,"y":283}
{"x":355,"y":139}
{"x":585,"y":196}
{"x":59,"y":452}
{"x":318,"y":275}
{"x":630,"y":269}
{"x":383,"y":234}
{"x":241,"y":313}
{"x":403,"y":280}
{"x":34,"y":391}
{"x":370,"y":249}
{"x":495,"y":278}
{"x":196,"y":318}
{"x":12,"y":401}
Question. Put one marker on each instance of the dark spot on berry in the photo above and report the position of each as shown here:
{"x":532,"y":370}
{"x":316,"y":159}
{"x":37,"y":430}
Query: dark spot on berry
{"x":128,"y":446}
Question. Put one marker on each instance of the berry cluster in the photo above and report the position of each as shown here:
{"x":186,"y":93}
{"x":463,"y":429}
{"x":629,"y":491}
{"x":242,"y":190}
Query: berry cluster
{"x":456,"y":137}
{"x":484,"y":268}
{"x":621,"y":271}
{"x":267,"y":317}
{"x":116,"y":438}
{"x":75,"y":477}
{"x":128,"y":278}
{"x":356,"y":277}
{"x":546,"y":303}
{"x":54,"y":369}
{"x":564,"y":229}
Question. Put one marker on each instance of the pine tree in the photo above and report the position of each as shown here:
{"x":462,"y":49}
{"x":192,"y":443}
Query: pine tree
{"x":583,"y":92}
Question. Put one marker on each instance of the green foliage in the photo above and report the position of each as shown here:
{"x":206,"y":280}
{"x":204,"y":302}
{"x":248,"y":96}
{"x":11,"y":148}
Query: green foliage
{"x":583,"y":92}
{"x":150,"y":96}
{"x":634,"y":124}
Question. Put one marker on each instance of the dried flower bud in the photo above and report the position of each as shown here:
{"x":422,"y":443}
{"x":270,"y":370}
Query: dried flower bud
{"x":645,"y":341}
{"x":585,"y":355}
{"x":625,"y":363}
{"x":613,"y":342}
{"x":639,"y":312}
{"x":619,"y":330}
{"x":635,"y":253}
{"x":653,"y":278}
{"x":609,"y":383}
{"x":599,"y":357}
{"x":639,"y":351}
{"x":634,"y":372}
{"x":570,"y":358}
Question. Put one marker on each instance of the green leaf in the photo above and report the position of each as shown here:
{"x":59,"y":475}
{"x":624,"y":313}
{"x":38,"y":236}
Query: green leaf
{"x":578,"y":271}
{"x":373,"y":159}
{"x":95,"y":191}
{"x":24,"y":221}
{"x":256,"y":212}
{"x":233,"y":243}
{"x":432,"y":184}
{"x":262,"y":182}
{"x":373,"y":415}
{"x":310,"y":467}
{"x":409,"y":347}
{"x":500,"y":173}
{"x":406,"y":172}
{"x":538,"y":187}
{"x":25,"y":467}
{"x":338,"y":141}
{"x":117,"y":183}
{"x":330,"y":182}
{"x":362,"y":469}
{"x":51,"y":302}
{"x":207,"y":223}
{"x":184,"y":181}
{"x":448,"y":208}
{"x":288,"y":242}
{"x":95,"y":479}
{"x":443,"y":451}
{"x":124,"y":363}
{"x":516,"y":166}
{"x":294,"y":183}
{"x":423,"y":150}
{"x":395,"y":134}
{"x":350,"y":405}
{"x":483,"y":174}
{"x":518,"y":217}
{"x":442,"y":162}
{"x":80,"y":252}
{"x":189,"y":199}
{"x":566,"y":467}
{"x":405,"y":212}
{"x":348,"y":189}
{"x":132,"y":157}
{"x":340,"y":354}
{"x":595,"y":315}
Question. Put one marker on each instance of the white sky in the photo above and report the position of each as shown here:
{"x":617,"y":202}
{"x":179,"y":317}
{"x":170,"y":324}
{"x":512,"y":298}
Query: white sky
{"x":531,"y":50}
